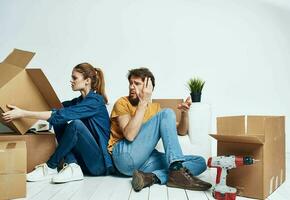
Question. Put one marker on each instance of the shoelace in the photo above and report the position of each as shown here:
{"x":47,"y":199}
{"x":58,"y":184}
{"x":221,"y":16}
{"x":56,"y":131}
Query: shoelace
{"x":188,"y":174}
{"x":65,"y":165}
{"x":44,"y":168}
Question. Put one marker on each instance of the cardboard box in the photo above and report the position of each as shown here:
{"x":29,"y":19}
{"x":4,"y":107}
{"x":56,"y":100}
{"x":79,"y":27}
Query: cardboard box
{"x":170,"y":103}
{"x":12,"y":186}
{"x":26,"y":88}
{"x":262,"y":137}
{"x":39,"y":146}
{"x":12,"y":169}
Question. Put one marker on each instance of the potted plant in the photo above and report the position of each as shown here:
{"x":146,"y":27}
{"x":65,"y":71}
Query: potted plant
{"x":195,"y":86}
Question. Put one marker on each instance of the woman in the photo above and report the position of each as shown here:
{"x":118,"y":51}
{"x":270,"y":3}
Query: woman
{"x":82,"y":129}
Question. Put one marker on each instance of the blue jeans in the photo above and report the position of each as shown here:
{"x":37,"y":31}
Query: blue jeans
{"x":76,"y":144}
{"x":142,"y":155}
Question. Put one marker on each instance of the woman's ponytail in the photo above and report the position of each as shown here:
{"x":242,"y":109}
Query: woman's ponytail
{"x":100,"y":84}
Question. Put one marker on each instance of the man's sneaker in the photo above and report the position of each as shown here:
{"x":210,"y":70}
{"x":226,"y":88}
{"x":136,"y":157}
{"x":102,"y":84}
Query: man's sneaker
{"x":41,"y":172}
{"x":69,"y":172}
{"x":182,"y":178}
{"x":141,"y":180}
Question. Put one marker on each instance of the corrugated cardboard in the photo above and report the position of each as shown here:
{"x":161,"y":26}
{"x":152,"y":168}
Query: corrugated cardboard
{"x":12,"y":186}
{"x":12,"y":157}
{"x":39,"y":146}
{"x":12,"y":169}
{"x":26,"y":88}
{"x":170,"y":103}
{"x":262,"y":137}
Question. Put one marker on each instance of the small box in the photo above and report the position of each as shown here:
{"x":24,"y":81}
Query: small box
{"x":12,"y":169}
{"x":263,"y":138}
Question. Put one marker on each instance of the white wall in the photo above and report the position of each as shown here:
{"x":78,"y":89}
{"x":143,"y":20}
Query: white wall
{"x":240,"y":47}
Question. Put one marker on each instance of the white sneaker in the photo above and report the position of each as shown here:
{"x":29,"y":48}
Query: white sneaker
{"x":69,"y":172}
{"x":40,"y":173}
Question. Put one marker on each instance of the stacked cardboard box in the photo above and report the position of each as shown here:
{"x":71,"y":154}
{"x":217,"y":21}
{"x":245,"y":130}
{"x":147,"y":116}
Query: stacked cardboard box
{"x":262,"y":137}
{"x":28,"y":89}
{"x":12,"y":169}
{"x":39,"y":146}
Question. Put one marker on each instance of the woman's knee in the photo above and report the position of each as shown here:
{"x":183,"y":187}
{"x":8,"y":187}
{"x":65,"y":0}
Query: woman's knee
{"x":76,"y":125}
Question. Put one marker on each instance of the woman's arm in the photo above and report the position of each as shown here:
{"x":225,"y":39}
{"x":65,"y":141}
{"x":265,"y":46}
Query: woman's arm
{"x":88,"y":107}
{"x":16,"y":113}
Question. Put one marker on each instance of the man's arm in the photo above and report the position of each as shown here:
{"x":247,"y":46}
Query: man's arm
{"x":182,"y":127}
{"x":130,"y":126}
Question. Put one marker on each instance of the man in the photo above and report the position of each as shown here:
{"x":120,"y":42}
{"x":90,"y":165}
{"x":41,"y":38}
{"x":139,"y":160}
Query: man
{"x":136,"y":126}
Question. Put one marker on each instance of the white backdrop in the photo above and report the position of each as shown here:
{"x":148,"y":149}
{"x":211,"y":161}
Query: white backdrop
{"x":241,"y":48}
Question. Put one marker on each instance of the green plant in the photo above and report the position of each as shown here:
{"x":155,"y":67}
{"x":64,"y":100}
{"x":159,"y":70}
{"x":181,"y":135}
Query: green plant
{"x":195,"y":85}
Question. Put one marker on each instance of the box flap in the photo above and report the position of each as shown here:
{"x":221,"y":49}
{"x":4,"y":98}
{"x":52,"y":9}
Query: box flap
{"x":8,"y":72}
{"x":19,"y":58}
{"x":231,"y":125}
{"x":256,"y":124}
{"x":22,"y":92}
{"x":254,"y":139}
{"x":44,"y":87}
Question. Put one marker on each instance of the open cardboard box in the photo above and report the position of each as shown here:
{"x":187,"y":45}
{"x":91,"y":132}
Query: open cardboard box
{"x":262,"y":137}
{"x":26,"y":88}
{"x":12,"y":169}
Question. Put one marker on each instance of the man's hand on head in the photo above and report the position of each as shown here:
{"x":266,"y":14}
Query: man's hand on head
{"x":145,"y":94}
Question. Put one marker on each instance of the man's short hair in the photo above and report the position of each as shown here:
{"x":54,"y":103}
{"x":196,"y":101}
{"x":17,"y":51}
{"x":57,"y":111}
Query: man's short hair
{"x":141,"y":72}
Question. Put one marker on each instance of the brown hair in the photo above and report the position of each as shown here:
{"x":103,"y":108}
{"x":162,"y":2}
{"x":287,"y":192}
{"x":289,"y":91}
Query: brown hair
{"x":142,"y":72}
{"x":97,"y":78}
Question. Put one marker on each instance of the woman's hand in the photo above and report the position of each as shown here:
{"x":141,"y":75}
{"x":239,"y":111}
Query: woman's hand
{"x":14,"y":113}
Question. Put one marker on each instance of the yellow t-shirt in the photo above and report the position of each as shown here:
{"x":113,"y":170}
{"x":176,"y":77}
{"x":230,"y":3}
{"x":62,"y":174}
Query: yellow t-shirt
{"x":123,"y":107}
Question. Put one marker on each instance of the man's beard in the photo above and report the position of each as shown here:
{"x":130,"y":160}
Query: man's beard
{"x":134,"y":101}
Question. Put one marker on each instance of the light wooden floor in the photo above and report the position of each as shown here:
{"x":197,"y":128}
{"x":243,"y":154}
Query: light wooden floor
{"x":115,"y":188}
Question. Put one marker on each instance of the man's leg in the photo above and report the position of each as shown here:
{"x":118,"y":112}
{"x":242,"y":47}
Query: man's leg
{"x":129,"y":156}
{"x":195,"y":164}
{"x":157,"y":165}
{"x":154,"y":170}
